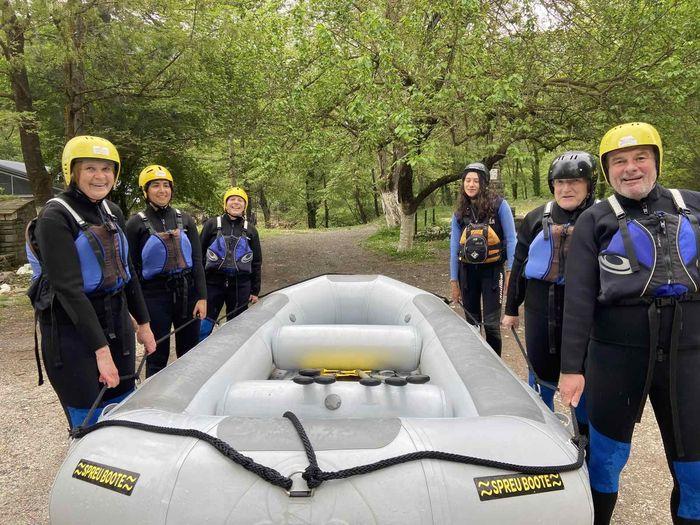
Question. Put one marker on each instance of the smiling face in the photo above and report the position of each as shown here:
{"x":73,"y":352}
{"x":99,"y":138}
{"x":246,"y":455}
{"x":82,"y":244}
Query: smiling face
{"x":235,"y":206}
{"x":159,"y":192}
{"x":632,"y":171}
{"x":94,"y":177}
{"x":472,"y":184}
{"x":570,"y":193}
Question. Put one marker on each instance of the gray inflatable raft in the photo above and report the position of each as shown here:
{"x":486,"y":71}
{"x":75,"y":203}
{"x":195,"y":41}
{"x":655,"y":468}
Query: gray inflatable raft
{"x":237,"y":384}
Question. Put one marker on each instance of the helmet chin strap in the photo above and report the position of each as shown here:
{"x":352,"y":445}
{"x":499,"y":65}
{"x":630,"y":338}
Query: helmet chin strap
{"x":157,"y":206}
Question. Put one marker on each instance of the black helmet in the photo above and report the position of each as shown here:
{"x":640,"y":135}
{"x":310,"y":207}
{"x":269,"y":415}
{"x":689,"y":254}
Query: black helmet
{"x":574,"y":165}
{"x":481,"y":170}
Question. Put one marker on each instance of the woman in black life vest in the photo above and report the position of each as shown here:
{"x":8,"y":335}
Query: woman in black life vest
{"x":165,"y":249}
{"x":232,"y":260}
{"x":84,"y":286}
{"x":540,"y":259}
{"x":482,"y":238}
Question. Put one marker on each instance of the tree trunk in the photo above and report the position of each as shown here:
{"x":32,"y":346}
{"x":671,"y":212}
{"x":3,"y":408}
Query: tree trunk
{"x":536,"y":185}
{"x":358,"y":202}
{"x":265,"y":207}
{"x":39,"y":179}
{"x":375,"y":194}
{"x":388,"y":188}
{"x":311,"y":200}
{"x":390,"y":205}
{"x":232,"y":172}
{"x":407,"y":232}
{"x":325,"y":202}
{"x":71,"y":26}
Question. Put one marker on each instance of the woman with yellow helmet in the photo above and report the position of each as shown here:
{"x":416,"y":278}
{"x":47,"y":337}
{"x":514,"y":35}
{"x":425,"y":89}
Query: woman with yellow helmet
{"x":166,"y":252}
{"x":233,"y":260}
{"x":630,"y":319}
{"x":84,"y":286}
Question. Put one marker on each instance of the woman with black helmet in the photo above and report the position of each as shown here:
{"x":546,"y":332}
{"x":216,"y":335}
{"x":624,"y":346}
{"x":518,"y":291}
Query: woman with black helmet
{"x":83,"y":276}
{"x":233,"y":260}
{"x":540,"y":259}
{"x":165,"y":249}
{"x":481,"y":240}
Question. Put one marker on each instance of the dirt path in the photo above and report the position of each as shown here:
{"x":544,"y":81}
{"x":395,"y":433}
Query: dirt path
{"x":33,"y":436}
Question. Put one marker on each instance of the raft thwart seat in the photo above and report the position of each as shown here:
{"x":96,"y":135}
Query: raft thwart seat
{"x":347,"y":346}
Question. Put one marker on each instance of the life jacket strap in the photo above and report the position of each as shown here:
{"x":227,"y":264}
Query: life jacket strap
{"x":147,"y":223}
{"x":621,"y":217}
{"x":546,"y":219}
{"x":685,"y":211}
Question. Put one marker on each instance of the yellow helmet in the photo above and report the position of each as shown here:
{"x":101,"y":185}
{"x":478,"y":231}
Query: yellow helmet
{"x":630,"y":135}
{"x":154,"y":172}
{"x":87,"y":147}
{"x":240,"y":192}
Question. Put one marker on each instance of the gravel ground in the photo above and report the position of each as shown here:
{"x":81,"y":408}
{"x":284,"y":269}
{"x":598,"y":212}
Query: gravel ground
{"x":33,"y":438}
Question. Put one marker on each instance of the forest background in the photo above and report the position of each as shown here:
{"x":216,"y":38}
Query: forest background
{"x":336,"y":112}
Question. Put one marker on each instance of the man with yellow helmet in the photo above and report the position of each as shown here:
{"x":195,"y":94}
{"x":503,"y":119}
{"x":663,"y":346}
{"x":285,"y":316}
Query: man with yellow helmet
{"x":232,"y":259}
{"x":83,"y":286}
{"x":165,"y":249}
{"x":630,"y":319}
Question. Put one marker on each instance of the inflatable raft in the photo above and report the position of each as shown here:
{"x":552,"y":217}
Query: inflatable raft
{"x":372,"y":369}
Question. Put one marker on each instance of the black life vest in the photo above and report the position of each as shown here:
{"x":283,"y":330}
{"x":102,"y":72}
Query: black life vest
{"x":652,"y":257}
{"x":230,"y":254}
{"x":547,"y":253}
{"x":165,"y":253}
{"x":102,"y":249}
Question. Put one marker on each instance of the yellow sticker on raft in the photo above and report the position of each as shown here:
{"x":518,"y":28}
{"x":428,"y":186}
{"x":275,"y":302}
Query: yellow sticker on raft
{"x":511,"y":485}
{"x":112,"y":478}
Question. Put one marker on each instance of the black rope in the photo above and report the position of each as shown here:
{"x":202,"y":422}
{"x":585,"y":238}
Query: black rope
{"x":314,"y":476}
{"x":266,"y":473}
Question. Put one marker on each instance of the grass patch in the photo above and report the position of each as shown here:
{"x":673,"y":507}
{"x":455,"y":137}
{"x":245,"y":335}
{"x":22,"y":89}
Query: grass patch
{"x":15,"y":300}
{"x":385,"y":241}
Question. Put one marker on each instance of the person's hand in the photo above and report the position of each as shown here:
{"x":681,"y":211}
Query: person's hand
{"x":200,"y":309}
{"x":109,"y":375}
{"x":510,"y":321}
{"x":571,"y":388}
{"x":144,"y":335}
{"x":455,"y":293}
{"x":253,"y":299}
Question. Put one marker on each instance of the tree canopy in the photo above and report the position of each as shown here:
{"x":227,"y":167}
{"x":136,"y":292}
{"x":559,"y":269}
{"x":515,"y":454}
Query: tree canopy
{"x":330,"y":112}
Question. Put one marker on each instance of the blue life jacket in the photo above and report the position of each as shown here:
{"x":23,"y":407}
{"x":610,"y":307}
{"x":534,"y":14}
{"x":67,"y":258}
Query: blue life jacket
{"x":228,"y":253}
{"x":652,"y":257}
{"x":165,"y":253}
{"x":102,"y":249}
{"x":547,"y":254}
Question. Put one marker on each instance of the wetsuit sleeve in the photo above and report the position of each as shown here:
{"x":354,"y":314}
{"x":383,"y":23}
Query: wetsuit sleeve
{"x":197,"y":265}
{"x":582,"y":285}
{"x":134,"y":230}
{"x":61,"y":263}
{"x":455,"y":234}
{"x":517,"y":285}
{"x":256,"y":277}
{"x":505,"y":215}
{"x":206,"y":235}
{"x":134,"y":295}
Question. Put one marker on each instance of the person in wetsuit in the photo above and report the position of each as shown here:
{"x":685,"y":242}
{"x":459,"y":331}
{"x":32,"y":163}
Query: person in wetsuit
{"x":630,"y":319}
{"x":482,"y":239}
{"x":540,"y":258}
{"x":166,"y":253}
{"x":232,"y":260}
{"x":84,"y":285}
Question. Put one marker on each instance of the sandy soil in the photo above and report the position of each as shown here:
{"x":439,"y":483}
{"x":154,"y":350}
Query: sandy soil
{"x":33,"y":437}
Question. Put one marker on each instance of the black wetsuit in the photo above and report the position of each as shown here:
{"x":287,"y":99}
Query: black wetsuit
{"x":544,"y":299}
{"x":233,"y":290}
{"x":612,"y":338}
{"x":170,"y":298}
{"x":75,"y":325}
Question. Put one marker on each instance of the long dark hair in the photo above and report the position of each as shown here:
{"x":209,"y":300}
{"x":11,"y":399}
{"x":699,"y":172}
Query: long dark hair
{"x":480,"y":208}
